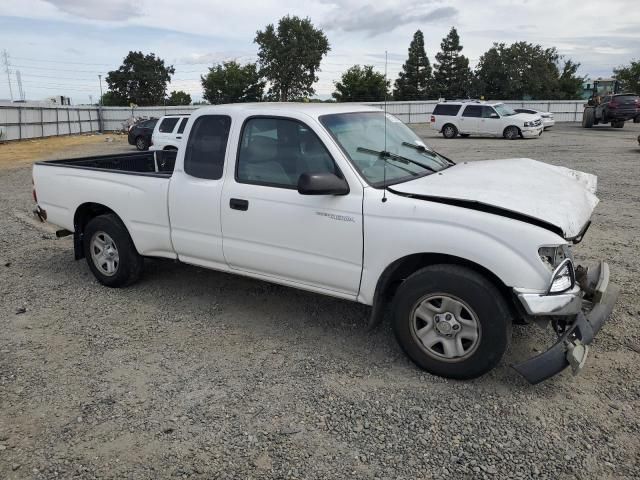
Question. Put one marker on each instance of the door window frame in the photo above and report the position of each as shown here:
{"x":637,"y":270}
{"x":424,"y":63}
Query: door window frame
{"x":271,"y":184}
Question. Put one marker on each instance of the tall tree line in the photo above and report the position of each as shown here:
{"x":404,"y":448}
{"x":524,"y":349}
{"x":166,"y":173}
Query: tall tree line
{"x":289,"y":57}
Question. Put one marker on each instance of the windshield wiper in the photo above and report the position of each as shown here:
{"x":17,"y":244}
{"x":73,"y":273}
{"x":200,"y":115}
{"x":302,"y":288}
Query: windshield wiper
{"x":423,"y":149}
{"x":399,"y":158}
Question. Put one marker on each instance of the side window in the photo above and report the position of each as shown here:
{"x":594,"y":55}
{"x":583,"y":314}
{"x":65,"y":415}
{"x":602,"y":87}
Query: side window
{"x":276,"y":151}
{"x":183,"y":124}
{"x":207,"y":146}
{"x":442,"y":109}
{"x":488,"y":111}
{"x":168,"y":124}
{"x":472,"y":111}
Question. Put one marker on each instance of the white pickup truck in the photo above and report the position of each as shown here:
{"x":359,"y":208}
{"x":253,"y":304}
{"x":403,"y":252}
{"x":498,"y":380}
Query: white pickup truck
{"x":348,"y":201}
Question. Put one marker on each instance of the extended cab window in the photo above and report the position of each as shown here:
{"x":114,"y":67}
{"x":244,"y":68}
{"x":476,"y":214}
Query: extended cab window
{"x":472,"y":111}
{"x":207,"y":146}
{"x":443,"y":109}
{"x":168,"y":124}
{"x":183,"y":124}
{"x":276,"y":151}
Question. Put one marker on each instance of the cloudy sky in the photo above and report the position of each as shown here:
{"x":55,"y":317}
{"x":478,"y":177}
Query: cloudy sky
{"x":60,"y":46}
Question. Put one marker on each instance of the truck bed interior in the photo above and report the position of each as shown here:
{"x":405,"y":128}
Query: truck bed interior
{"x":160,"y":163}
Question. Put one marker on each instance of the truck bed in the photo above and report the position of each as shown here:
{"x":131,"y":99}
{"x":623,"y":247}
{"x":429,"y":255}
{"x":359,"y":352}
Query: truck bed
{"x":156,"y":163}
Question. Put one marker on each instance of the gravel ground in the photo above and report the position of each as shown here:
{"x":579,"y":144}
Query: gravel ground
{"x":192,"y":373}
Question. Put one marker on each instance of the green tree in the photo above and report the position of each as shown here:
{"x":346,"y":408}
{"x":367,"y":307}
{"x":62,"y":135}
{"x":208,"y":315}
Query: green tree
{"x":290,"y":56}
{"x":233,"y":83}
{"x":570,"y":84}
{"x":452,"y":77}
{"x":629,"y":76}
{"x":110,"y":99}
{"x":141,"y":79}
{"x":524,"y":70}
{"x":414,"y":81}
{"x":179,"y":98}
{"x":361,"y":84}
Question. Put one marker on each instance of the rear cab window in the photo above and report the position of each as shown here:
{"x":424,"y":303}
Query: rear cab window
{"x":183,"y":124}
{"x":443,"y":109}
{"x":168,"y":124}
{"x":207,"y":147}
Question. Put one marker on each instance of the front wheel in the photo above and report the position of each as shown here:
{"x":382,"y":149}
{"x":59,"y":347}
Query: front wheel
{"x":110,"y":252}
{"x":451,"y":321}
{"x":511,"y":133}
{"x":142,"y":143}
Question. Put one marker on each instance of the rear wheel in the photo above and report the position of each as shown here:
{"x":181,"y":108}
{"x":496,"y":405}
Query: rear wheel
{"x":588,"y":117}
{"x":511,"y":133}
{"x":636,"y":119}
{"x":142,"y":143}
{"x":618,"y":124}
{"x":110,"y":252}
{"x":451,"y":321}
{"x":449,"y":131}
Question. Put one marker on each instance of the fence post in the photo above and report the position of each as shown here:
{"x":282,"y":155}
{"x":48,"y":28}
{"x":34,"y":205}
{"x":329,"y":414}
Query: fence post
{"x":409,"y":113}
{"x":57,"y":123}
{"x":90,"y":123}
{"x":19,"y":123}
{"x":79,"y":121}
{"x":69,"y":120}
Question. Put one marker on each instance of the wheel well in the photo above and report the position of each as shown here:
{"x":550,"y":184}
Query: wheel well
{"x":170,"y":147}
{"x":85,"y":213}
{"x":402,"y":268}
{"x":509,"y":126}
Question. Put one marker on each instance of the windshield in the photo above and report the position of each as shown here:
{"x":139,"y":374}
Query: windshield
{"x":361,"y":135}
{"x":503,"y":110}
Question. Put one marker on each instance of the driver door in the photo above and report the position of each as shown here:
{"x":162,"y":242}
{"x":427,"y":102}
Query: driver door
{"x":490,"y":123}
{"x":270,"y":230}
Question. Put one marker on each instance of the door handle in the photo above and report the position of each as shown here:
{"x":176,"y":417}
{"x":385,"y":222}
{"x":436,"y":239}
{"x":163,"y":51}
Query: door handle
{"x":179,"y":137}
{"x":239,"y":204}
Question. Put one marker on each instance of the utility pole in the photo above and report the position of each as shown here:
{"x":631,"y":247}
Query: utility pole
{"x":100,"y":124}
{"x":5,"y":57}
{"x":20,"y":90}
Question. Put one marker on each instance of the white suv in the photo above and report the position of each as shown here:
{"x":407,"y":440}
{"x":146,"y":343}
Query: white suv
{"x":483,"y":118}
{"x":167,"y":134}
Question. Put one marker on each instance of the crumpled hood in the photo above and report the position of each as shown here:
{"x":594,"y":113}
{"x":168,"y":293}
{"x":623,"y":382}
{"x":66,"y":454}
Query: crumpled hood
{"x":558,"y":196}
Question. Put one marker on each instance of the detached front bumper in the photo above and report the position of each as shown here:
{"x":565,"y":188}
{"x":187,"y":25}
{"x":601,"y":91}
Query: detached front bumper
{"x":592,"y":305}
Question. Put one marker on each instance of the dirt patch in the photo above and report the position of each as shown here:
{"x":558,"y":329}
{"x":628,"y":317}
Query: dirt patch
{"x":18,"y":153}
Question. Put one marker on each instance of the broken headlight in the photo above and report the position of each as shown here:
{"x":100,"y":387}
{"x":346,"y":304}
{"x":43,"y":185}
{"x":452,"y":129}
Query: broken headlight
{"x":559,"y":260}
{"x":554,"y":256}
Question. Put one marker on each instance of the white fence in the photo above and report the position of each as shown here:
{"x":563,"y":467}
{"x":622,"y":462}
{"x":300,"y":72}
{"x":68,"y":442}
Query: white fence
{"x":21,"y":121}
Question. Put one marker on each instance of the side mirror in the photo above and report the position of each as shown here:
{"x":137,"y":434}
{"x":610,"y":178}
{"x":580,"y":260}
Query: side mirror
{"x":494,"y":115}
{"x":322,"y":184}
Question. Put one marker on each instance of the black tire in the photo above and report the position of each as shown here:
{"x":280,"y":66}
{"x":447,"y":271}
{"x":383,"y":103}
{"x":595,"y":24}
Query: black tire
{"x":588,"y":117}
{"x":636,"y":119}
{"x":618,"y":124}
{"x":511,"y":133}
{"x":464,"y":135}
{"x":142,"y":143}
{"x":482,"y":299}
{"x":449,"y":131}
{"x":127,"y":265}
